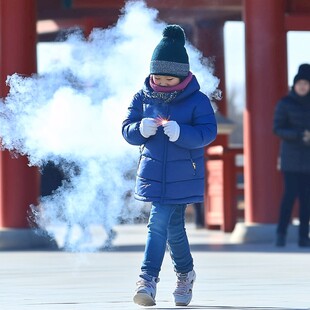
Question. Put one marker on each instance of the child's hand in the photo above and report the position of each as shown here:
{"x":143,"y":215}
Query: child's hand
{"x":172,"y":130}
{"x":148,"y":127}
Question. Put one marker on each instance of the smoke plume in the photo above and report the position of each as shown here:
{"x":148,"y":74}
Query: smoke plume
{"x":71,"y":114}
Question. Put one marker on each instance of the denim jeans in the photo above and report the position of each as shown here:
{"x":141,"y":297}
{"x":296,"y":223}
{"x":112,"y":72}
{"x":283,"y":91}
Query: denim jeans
{"x":167,"y":227}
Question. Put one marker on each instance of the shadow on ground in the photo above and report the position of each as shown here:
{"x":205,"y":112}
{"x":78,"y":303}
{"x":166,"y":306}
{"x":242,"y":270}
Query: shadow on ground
{"x":230,"y":308}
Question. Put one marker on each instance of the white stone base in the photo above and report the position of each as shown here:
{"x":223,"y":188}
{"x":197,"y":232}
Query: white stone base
{"x":19,"y":239}
{"x":260,"y":233}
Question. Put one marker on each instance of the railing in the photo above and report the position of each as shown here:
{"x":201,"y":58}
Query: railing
{"x":224,"y":187}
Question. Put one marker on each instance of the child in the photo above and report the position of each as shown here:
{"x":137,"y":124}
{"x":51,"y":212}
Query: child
{"x":172,"y":121}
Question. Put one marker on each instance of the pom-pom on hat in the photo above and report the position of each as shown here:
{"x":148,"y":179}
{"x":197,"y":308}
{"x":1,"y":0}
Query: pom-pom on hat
{"x":170,"y":56}
{"x":303,"y":73}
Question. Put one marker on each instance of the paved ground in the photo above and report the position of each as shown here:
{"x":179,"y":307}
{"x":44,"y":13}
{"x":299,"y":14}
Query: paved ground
{"x":229,"y":276}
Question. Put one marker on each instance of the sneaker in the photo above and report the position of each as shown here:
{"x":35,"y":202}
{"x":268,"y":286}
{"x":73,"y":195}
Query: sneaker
{"x":183,"y":292}
{"x":146,"y":290}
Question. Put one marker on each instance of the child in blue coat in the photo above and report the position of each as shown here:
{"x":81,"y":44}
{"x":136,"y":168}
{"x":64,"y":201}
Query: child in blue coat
{"x":172,"y":121}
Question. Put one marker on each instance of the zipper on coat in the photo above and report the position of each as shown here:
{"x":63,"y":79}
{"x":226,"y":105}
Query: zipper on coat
{"x":194,"y":166}
{"x":166,"y":141}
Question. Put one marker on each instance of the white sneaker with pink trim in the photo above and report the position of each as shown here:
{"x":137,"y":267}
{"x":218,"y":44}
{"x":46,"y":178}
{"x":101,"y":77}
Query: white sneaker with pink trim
{"x":146,"y":290}
{"x":184,"y":290}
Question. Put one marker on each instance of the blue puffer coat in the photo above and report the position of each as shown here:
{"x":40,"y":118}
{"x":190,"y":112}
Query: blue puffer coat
{"x":171,"y":172}
{"x":291,"y":118}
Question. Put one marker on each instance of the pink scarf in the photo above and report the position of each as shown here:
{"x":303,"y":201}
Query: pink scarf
{"x":168,"y":89}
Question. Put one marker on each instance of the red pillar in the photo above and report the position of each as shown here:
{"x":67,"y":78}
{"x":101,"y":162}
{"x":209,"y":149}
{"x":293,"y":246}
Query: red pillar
{"x":210,"y":40}
{"x":266,"y":83}
{"x":19,"y":184}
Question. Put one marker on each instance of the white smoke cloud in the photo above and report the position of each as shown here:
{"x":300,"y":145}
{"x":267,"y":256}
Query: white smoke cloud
{"x":72,"y":114}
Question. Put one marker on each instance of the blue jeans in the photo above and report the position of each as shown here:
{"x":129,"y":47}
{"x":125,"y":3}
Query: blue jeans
{"x":167,"y":226}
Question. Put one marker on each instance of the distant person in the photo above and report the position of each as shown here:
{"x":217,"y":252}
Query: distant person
{"x":53,"y":177}
{"x":172,"y":121}
{"x":199,"y":214}
{"x":292,"y":125}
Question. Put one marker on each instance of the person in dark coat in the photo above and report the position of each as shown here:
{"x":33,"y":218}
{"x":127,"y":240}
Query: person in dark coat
{"x":292,"y":125}
{"x":172,"y":121}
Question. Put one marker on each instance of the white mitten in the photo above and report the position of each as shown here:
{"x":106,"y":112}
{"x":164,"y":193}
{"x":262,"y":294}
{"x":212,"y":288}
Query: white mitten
{"x":172,"y":130}
{"x":148,"y":127}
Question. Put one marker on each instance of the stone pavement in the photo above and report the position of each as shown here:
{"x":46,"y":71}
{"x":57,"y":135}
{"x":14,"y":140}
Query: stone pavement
{"x":229,"y":276}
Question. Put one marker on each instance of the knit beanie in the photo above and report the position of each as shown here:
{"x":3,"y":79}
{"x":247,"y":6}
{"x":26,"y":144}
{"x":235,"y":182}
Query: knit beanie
{"x":170,"y":56}
{"x":303,"y":73}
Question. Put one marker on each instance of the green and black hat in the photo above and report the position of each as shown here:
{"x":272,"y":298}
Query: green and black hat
{"x":170,"y":56}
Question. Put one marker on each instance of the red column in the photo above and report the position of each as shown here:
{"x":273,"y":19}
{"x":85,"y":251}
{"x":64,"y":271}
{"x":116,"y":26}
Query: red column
{"x":210,"y":40}
{"x":19,"y":184}
{"x":266,"y":83}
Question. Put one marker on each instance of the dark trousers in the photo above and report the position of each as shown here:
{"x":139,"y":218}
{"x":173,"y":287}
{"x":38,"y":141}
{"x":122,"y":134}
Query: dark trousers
{"x":199,"y":214}
{"x":296,"y":185}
